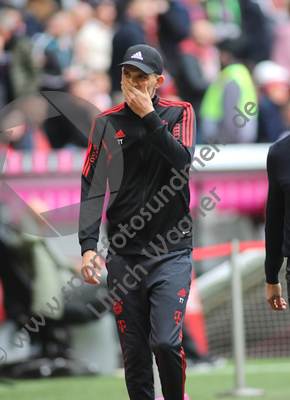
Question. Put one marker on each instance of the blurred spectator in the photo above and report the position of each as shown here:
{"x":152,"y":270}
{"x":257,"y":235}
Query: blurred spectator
{"x":82,"y":13}
{"x":233,"y":87}
{"x":53,"y":51}
{"x":286,"y":117}
{"x":33,"y":124}
{"x":195,"y":8}
{"x":102,"y":81}
{"x":131,"y":31}
{"x":173,"y":27}
{"x":26,"y":123}
{"x":281,"y":45}
{"x":18,"y":73}
{"x":224,"y":15}
{"x":199,"y":63}
{"x":102,"y":99}
{"x":68,"y":4}
{"x":275,"y":10}
{"x":94,"y":39}
{"x":226,"y":18}
{"x":89,"y":91}
{"x":71,"y":128}
{"x":20,"y":139}
{"x":36,"y":13}
{"x":273,"y":82}
{"x":257,"y":33}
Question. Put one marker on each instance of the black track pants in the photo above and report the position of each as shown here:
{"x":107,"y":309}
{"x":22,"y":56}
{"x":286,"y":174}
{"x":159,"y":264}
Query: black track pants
{"x":151,"y":297}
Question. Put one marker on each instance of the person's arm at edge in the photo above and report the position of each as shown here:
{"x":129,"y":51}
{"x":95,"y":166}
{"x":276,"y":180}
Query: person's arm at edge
{"x":274,"y":229}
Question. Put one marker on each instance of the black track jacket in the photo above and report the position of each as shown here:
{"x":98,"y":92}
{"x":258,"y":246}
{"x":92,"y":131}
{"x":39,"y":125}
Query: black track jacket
{"x":143,"y":163}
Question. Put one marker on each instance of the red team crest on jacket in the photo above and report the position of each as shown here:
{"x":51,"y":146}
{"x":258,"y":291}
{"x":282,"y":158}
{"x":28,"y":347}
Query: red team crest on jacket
{"x":117,"y":307}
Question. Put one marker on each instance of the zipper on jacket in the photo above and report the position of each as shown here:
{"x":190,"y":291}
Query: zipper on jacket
{"x":144,"y":185}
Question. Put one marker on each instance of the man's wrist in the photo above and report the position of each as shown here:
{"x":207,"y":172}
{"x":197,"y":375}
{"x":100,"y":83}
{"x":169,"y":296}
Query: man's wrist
{"x":88,"y":244}
{"x":272,"y":284}
{"x":147,"y":113}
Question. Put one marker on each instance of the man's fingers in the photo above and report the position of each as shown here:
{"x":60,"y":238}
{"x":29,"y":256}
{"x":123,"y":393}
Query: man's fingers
{"x":282,"y":304}
{"x":91,"y":269}
{"x":274,"y":296}
{"x":145,"y":89}
{"x":92,"y":277}
{"x":277,"y":304}
{"x":272,"y":304}
{"x":127,"y":86}
{"x":93,"y":281}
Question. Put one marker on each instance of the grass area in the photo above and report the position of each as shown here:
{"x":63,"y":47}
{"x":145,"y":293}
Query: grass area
{"x":271,"y":375}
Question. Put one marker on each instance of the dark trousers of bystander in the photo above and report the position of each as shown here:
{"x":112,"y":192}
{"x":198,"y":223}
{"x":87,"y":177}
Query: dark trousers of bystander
{"x":149,"y":310}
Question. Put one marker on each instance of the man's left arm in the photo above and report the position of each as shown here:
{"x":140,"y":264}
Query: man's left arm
{"x":176,"y":148}
{"x":274,"y":229}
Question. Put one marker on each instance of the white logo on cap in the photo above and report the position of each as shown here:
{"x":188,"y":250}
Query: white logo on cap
{"x":137,"y":55}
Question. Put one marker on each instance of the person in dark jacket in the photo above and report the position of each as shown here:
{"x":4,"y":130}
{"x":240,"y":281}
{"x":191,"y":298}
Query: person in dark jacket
{"x":18,"y":74}
{"x":257,"y":33}
{"x":277,"y":228}
{"x":273,"y":82}
{"x":131,"y":31}
{"x":143,"y":148}
{"x":173,"y":27}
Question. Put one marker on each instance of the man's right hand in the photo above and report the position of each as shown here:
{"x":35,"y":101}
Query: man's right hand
{"x":91,"y":259}
{"x":274,"y":297}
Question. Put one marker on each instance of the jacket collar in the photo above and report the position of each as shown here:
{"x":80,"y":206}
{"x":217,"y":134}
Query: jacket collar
{"x":155,"y":100}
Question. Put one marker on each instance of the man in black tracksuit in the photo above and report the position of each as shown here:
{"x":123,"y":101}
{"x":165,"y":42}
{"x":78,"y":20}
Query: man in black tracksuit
{"x":143,"y":148}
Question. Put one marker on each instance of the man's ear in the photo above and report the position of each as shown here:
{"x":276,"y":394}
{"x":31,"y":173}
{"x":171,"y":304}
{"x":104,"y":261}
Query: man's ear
{"x":160,"y":80}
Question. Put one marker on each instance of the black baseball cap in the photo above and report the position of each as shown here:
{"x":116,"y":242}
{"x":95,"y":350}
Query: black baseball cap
{"x":144,"y":57}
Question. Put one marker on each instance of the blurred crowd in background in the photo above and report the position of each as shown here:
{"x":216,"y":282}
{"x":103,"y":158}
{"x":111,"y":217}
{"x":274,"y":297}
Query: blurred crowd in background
{"x":217,"y":54}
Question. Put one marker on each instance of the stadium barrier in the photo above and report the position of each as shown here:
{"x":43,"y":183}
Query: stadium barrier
{"x":238,"y":330}
{"x":194,"y":317}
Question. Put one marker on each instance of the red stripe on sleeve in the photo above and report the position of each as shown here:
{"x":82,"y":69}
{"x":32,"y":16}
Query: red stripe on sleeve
{"x":114,"y":109}
{"x":88,"y":162}
{"x":191,"y":126}
{"x":188,"y":116}
{"x":169,"y":103}
{"x":188,"y":125}
{"x":184,"y":135}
